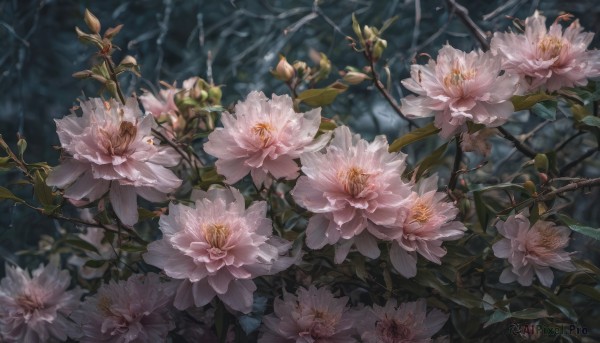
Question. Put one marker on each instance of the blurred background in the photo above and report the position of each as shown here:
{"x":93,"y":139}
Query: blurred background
{"x":236,"y":43}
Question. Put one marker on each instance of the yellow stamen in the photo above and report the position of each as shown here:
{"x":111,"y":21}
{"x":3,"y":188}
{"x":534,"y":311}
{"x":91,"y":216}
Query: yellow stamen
{"x":550,"y":46}
{"x":217,"y":235}
{"x":264,"y":131}
{"x":354,"y":180}
{"x":421,"y":212}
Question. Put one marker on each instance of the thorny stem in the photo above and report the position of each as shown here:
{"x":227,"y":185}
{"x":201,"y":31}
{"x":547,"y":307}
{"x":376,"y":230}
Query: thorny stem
{"x":457,"y":159}
{"x":576,"y":161}
{"x":517,"y":143}
{"x":379,"y":85}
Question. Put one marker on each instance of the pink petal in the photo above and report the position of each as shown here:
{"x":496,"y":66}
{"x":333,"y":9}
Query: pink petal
{"x":404,"y":262}
{"x":124,"y":202}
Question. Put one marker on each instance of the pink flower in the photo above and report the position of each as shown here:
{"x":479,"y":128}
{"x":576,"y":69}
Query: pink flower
{"x":263,"y":138}
{"x":217,"y":248}
{"x":407,"y":323}
{"x":460,"y":87}
{"x":136,"y":310}
{"x":530,"y":250}
{"x":548,"y":59}
{"x":160,"y":106}
{"x":315,"y":315}
{"x":110,"y":147}
{"x":426,"y":220}
{"x":353,"y":186}
{"x":34,"y":308}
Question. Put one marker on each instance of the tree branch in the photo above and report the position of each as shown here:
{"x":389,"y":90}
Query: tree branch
{"x":463,"y":14}
{"x":517,"y":143}
{"x":457,"y":159}
{"x":575,"y":162}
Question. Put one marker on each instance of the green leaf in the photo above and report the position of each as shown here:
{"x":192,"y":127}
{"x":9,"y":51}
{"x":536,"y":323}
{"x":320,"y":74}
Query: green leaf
{"x":575,"y":226}
{"x":318,"y":97}
{"x":480,"y":209}
{"x":497,"y":317}
{"x":42,"y":191}
{"x":327,"y":125}
{"x":81,"y":244}
{"x":357,"y":30}
{"x":132,"y":248}
{"x":95,"y":263}
{"x":145,"y":214}
{"x":388,"y":23}
{"x":530,"y":313}
{"x":413,"y":136}
{"x":6,"y":194}
{"x":589,"y":291}
{"x":591,"y":121}
{"x":545,"y":109}
{"x":358,"y":261}
{"x":523,"y":102}
{"x":562,"y":305}
{"x":431,"y":160}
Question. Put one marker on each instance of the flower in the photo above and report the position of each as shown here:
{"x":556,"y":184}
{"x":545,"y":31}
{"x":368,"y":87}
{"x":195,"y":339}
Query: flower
{"x":160,"y":106}
{"x":104,"y":252}
{"x":110,"y":147}
{"x":353,"y":186}
{"x":425,"y":221}
{"x":217,"y":248}
{"x":315,"y":315}
{"x":407,"y":323}
{"x":548,"y":58}
{"x":532,"y":249}
{"x":460,"y":87}
{"x":263,"y":138}
{"x":34,"y":308}
{"x":135,"y":310}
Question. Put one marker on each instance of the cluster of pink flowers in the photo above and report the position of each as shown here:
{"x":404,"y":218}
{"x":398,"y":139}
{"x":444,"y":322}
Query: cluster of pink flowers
{"x":34,"y":308}
{"x":263,"y":138}
{"x":110,"y":148}
{"x":217,"y":248}
{"x":532,"y":249}
{"x":477,"y":86}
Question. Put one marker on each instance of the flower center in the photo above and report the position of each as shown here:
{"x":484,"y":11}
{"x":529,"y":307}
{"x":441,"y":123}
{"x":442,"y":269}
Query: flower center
{"x":355,"y":180}
{"x":457,"y":76}
{"x":117,"y":143}
{"x":217,"y":235}
{"x":29,"y":303}
{"x":103,"y":306}
{"x":549,"y":239}
{"x":264,"y":132}
{"x":322,"y":326}
{"x":550,"y":47}
{"x":421,"y":212}
{"x":392,"y":331}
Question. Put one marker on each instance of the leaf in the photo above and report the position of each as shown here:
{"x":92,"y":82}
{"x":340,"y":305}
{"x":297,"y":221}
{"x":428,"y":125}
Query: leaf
{"x":6,"y":194}
{"x":588,"y":291}
{"x":132,"y":248}
{"x":413,"y":136}
{"x":357,"y":30}
{"x":562,"y":305}
{"x":480,"y":209}
{"x":388,"y":23}
{"x":81,"y":244}
{"x":530,"y":313}
{"x":359,"y":267}
{"x":497,"y":317}
{"x":431,"y":160}
{"x":523,"y":102}
{"x":95,"y":263}
{"x":145,"y":214}
{"x":545,"y":109}
{"x":319,"y":96}
{"x":327,"y":125}
{"x":575,"y":226}
{"x":42,"y":191}
{"x":591,"y":121}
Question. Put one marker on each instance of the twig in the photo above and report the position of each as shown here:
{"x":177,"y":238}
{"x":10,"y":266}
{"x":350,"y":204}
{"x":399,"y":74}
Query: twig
{"x":377,"y":82}
{"x":476,"y":31}
{"x":568,"y":140}
{"x":113,"y":76}
{"x":196,"y":163}
{"x":569,"y":188}
{"x":457,"y":159}
{"x":517,"y":143}
{"x":576,"y":161}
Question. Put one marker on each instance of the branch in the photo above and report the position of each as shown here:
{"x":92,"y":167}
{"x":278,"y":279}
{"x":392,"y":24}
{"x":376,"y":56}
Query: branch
{"x":476,"y":31}
{"x":379,"y":85}
{"x":569,"y":188}
{"x":575,"y":162}
{"x":517,"y":143}
{"x":196,"y":163}
{"x":457,"y":159}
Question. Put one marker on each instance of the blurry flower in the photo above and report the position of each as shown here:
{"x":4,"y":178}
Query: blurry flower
{"x":313,"y":316}
{"x":161,"y":105}
{"x":263,"y":138}
{"x":110,"y":147}
{"x":136,"y":310}
{"x":426,"y":220}
{"x":460,"y":87}
{"x":477,"y":142}
{"x":284,"y":70}
{"x":530,"y":250}
{"x":548,"y":59}
{"x":355,"y":185}
{"x":407,"y":323}
{"x":34,"y":308}
{"x":217,"y":248}
{"x":106,"y":252}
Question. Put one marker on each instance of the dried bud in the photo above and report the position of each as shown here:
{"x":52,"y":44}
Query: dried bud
{"x":87,"y":38}
{"x":22,"y":146}
{"x":354,"y":77}
{"x":111,"y":32}
{"x":284,"y":71}
{"x":129,"y":61}
{"x":91,"y":21}
{"x":301,"y":68}
{"x":541,"y":162}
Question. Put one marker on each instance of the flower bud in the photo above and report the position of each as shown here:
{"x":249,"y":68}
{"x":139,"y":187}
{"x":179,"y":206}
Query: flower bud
{"x":541,"y":162}
{"x":111,"y":32}
{"x":203,"y":95}
{"x":530,"y":187}
{"x":301,"y":68}
{"x":129,"y":61}
{"x":284,"y":71}
{"x":91,"y":21}
{"x":543,"y":178}
{"x":378,"y":48}
{"x":84,"y":74}
{"x":215,"y":93}
{"x":368,"y":33}
{"x":354,"y":77}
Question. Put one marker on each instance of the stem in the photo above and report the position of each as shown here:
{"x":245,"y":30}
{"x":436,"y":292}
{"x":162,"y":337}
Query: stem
{"x":575,"y":162}
{"x":379,"y":85}
{"x":463,"y":14}
{"x":457,"y":159}
{"x":185,"y":156}
{"x":517,"y":143}
{"x":569,"y":188}
{"x":113,"y":76}
{"x":20,"y":164}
